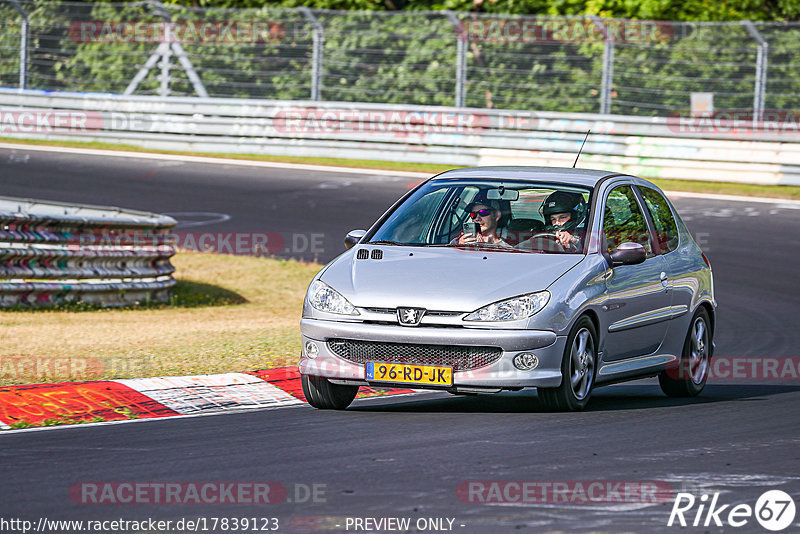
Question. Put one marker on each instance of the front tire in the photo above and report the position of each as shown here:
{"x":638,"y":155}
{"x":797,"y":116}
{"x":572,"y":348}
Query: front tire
{"x":325,"y":395}
{"x":689,"y":378}
{"x":578,"y":367}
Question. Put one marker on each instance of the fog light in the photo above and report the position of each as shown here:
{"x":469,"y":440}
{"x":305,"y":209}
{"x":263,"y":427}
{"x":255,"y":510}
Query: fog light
{"x":525,"y":361}
{"x":312,"y":351}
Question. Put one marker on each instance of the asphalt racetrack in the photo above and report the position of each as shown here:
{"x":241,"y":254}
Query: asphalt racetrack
{"x":430,"y":456}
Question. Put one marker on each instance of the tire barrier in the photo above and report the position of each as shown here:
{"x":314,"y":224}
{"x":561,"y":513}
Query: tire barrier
{"x":53,"y":253}
{"x":728,"y":147}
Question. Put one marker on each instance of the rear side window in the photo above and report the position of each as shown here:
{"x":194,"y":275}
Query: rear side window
{"x":623,"y":220}
{"x":666,"y":229}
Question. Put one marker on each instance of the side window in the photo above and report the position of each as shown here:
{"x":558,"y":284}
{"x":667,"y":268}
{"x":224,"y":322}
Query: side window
{"x":666,"y":229}
{"x":624,"y":221}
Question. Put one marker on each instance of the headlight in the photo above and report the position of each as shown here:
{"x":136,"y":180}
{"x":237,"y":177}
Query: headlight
{"x":324,"y":298}
{"x":511,"y":309}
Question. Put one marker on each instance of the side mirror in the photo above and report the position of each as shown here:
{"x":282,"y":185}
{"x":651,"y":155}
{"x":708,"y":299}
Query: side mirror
{"x":353,"y":237}
{"x":628,"y":253}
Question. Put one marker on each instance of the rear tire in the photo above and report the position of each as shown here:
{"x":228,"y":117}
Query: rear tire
{"x":578,"y":368}
{"x":325,"y":395}
{"x":689,"y":378}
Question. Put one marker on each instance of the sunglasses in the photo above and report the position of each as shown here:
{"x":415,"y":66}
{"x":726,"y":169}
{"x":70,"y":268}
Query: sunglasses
{"x":480,"y":213}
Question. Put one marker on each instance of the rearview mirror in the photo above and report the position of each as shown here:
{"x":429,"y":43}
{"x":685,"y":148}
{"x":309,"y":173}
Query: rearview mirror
{"x":353,"y":237}
{"x":501,"y":193}
{"x":628,"y":253}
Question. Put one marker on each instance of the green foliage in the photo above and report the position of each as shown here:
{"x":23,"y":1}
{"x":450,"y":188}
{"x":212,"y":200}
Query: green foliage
{"x":689,"y":10}
{"x":405,"y":57}
{"x":399,"y":58}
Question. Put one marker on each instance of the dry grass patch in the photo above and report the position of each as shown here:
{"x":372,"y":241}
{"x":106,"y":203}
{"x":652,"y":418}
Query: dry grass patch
{"x":229,"y":314}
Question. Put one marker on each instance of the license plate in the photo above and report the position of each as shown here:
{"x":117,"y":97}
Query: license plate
{"x":403,"y":373}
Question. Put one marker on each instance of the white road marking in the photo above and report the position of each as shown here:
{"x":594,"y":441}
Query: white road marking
{"x":212,"y":218}
{"x":210,"y":160}
{"x":19,"y":158}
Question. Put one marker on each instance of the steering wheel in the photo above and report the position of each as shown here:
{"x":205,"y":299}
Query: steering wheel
{"x":548,"y":235}
{"x":544,"y":241}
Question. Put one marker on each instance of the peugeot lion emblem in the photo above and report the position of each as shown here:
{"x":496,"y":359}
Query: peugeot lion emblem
{"x":410,"y":316}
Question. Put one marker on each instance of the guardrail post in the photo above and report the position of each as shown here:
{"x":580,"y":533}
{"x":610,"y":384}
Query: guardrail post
{"x":23,"y":45}
{"x":607,"y":80}
{"x":760,"y":89}
{"x":164,"y":77}
{"x":608,"y":77}
{"x":318,"y":37}
{"x":461,"y":57}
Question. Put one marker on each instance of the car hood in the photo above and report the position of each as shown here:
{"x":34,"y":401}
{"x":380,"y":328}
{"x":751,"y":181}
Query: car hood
{"x":447,"y":279}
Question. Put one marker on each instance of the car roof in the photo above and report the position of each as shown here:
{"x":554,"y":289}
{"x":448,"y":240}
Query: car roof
{"x":565,"y":175}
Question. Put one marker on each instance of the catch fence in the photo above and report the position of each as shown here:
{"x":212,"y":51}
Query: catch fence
{"x":563,"y":64}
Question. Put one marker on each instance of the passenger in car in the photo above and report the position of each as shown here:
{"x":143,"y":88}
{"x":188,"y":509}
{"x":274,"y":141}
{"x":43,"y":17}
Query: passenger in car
{"x":487,"y":214}
{"x":565,"y":211}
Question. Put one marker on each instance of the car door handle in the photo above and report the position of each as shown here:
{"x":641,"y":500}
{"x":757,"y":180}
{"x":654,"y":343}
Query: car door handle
{"x":664,"y":280}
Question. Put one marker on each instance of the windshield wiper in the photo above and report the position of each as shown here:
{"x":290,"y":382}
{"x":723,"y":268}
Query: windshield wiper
{"x":384,"y":242}
{"x":485,"y":246}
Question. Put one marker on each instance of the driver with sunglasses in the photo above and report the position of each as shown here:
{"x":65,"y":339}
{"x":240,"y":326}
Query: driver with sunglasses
{"x":487,"y":214}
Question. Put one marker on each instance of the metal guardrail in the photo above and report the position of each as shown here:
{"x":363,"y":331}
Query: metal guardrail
{"x":53,"y":253}
{"x":655,"y":147}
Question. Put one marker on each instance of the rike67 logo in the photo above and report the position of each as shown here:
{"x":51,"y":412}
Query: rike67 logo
{"x":774,"y":510}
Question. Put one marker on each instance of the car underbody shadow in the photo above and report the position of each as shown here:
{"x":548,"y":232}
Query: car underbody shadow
{"x":619,"y":397}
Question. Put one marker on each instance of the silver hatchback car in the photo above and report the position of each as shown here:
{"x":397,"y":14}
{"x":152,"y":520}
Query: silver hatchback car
{"x":500,"y":278}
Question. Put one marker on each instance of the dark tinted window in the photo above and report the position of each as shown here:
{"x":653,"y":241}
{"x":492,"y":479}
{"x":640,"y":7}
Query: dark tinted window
{"x":666,"y":229}
{"x":623,"y":220}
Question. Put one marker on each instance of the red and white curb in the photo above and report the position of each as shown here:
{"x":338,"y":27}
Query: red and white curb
{"x":138,"y":398}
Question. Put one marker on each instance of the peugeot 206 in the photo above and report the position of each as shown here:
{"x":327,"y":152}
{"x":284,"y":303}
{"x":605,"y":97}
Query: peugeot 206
{"x":501,"y":278}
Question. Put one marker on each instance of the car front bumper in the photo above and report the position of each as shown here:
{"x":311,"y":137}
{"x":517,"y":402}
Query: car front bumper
{"x":502,"y":374}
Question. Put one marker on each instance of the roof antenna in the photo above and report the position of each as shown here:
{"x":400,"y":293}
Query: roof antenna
{"x":581,"y":149}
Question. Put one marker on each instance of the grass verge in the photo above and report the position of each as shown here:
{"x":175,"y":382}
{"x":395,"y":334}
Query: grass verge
{"x":722,"y":188}
{"x":228,"y":314}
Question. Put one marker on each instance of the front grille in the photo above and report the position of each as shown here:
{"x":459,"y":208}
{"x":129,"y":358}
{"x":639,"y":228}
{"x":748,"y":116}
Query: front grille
{"x":459,"y":358}
{"x":428,"y":313}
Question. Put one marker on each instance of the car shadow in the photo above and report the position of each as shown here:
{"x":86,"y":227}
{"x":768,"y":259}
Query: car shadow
{"x":190,"y":294}
{"x":610,"y":398}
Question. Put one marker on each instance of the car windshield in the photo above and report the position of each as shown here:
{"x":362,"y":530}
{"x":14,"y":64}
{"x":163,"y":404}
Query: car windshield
{"x":490,"y":214}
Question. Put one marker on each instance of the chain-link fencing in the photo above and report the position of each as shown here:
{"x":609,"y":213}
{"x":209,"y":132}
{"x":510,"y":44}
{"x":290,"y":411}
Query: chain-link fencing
{"x":568,"y":64}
